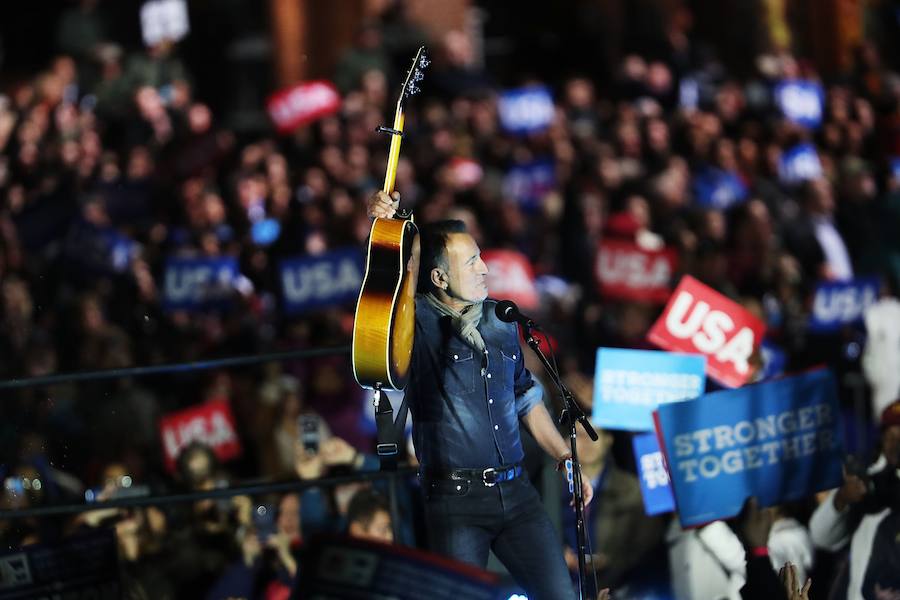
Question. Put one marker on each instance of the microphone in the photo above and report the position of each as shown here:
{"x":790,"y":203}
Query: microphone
{"x":508,"y":312}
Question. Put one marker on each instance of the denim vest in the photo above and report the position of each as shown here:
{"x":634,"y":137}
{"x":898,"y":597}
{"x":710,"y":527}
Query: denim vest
{"x":466,"y":406}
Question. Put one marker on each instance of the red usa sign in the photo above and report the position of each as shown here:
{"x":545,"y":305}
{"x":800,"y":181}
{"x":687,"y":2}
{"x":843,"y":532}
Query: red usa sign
{"x":511,"y":277}
{"x":625,"y":271}
{"x":210,"y":423}
{"x":698,"y":319}
{"x":301,"y":104}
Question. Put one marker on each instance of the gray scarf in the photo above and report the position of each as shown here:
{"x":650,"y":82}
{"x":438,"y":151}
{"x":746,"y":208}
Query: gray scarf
{"x":465,"y":323}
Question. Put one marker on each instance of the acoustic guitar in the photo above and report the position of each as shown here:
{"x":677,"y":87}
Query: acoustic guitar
{"x":385,"y":311}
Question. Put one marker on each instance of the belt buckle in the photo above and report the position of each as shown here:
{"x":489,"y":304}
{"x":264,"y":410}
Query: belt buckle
{"x":484,"y":477}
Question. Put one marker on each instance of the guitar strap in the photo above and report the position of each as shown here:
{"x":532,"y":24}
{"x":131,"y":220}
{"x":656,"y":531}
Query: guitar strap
{"x":389,"y":430}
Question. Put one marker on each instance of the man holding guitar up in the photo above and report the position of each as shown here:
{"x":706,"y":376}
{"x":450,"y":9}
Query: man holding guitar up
{"x":468,"y":389}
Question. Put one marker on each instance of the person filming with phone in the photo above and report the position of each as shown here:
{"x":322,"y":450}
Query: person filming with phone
{"x":854,"y":512}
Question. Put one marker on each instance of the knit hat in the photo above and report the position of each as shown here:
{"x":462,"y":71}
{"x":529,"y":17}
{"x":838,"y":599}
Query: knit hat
{"x":891,"y":415}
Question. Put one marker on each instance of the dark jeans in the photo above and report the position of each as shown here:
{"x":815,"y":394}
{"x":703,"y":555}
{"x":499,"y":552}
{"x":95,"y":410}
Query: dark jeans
{"x":509,"y":519}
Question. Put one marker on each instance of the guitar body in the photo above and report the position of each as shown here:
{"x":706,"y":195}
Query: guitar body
{"x":385,"y":319}
{"x":385,"y":312}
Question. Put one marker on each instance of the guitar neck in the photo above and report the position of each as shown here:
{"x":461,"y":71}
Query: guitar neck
{"x":390,"y":175}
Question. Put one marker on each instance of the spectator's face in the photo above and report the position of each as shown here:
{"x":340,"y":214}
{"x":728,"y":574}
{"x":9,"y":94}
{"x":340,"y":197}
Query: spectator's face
{"x":289,"y":516}
{"x":114,"y":475}
{"x":199,"y":118}
{"x":92,"y":319}
{"x":17,"y":303}
{"x":821,"y":200}
{"x":458,"y":49}
{"x":466,"y":275}
{"x":199,"y":472}
{"x":715,"y":226}
{"x":140,"y":165}
{"x":640,"y":210}
{"x":378,"y":528}
{"x":579,"y":94}
{"x":748,"y":153}
{"x":725,"y":155}
{"x":658,"y":135}
{"x":214,"y":209}
{"x":149,"y":103}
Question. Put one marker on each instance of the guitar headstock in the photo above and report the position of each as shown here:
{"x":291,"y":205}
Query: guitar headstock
{"x":415,"y":74}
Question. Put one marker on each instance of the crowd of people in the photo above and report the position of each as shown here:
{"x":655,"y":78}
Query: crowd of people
{"x":110,"y":165}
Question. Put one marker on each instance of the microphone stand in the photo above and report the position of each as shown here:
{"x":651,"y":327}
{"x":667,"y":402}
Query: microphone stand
{"x":570,"y":414}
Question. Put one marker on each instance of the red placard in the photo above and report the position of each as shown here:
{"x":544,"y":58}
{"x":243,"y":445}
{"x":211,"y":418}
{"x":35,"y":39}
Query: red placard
{"x":301,"y":104}
{"x":625,"y":271}
{"x":698,"y":319}
{"x":210,"y":423}
{"x":511,"y":277}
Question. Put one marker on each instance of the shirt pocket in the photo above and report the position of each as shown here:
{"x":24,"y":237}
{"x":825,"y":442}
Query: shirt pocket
{"x":460,"y":368}
{"x":509,"y":356}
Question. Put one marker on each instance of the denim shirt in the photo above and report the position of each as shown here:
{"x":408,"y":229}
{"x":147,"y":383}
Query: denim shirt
{"x":466,"y":406}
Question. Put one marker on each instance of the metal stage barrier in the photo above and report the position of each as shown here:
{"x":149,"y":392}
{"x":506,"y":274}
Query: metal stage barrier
{"x":254,"y":488}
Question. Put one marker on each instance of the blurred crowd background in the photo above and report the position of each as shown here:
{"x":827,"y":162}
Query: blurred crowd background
{"x":116,"y":156}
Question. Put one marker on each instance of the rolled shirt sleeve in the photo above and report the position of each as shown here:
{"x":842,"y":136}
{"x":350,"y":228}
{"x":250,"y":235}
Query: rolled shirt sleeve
{"x":529,"y":391}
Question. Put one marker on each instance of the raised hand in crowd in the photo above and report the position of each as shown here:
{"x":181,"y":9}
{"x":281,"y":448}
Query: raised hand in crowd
{"x":792,"y":588}
{"x":281,"y":543}
{"x":604,"y":594}
{"x":756,"y":523}
{"x":336,"y":451}
{"x":851,"y":491}
{"x":242,"y":508}
{"x":754,"y":526}
{"x":308,"y":464}
{"x":593,"y":562}
{"x":382,"y":206}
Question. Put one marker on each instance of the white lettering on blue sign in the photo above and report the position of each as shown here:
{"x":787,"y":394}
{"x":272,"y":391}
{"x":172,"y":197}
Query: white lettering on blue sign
{"x":843,"y":305}
{"x":653,"y":471}
{"x":790,"y":435}
{"x":198,"y":283}
{"x":801,"y":102}
{"x":321,"y":281}
{"x":526,"y":110}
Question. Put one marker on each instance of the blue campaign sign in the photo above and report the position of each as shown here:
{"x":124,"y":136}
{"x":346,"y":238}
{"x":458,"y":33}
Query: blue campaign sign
{"x":801,"y":101}
{"x":778,"y":440}
{"x":895,"y":167}
{"x":799,"y":163}
{"x":526,"y":110}
{"x":630,"y":384}
{"x":312,"y":282}
{"x":198,"y":284}
{"x":99,"y":250}
{"x":528,"y":183}
{"x":839,"y":303}
{"x":715,"y":188}
{"x":652,"y":475}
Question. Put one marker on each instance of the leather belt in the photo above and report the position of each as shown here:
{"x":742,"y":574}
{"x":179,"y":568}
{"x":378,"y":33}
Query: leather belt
{"x":490,"y":476}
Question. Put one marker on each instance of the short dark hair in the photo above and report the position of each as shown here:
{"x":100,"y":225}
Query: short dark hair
{"x":433,"y":240}
{"x":182,"y":468}
{"x":365,"y":504}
